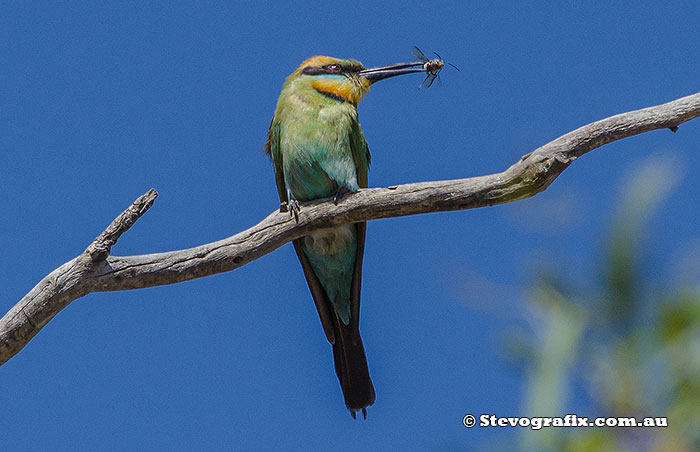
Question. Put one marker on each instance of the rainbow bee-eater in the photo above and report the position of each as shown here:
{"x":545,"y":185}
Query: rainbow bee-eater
{"x":318,"y":151}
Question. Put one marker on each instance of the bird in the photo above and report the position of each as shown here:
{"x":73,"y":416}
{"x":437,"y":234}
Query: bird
{"x":318,"y":150}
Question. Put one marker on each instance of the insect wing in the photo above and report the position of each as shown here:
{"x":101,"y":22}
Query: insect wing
{"x":428,"y":81}
{"x":419,"y":55}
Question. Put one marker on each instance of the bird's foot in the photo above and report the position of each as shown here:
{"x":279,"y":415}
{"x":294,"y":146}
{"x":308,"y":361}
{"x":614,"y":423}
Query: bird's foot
{"x":340,"y":194}
{"x":294,"y":209}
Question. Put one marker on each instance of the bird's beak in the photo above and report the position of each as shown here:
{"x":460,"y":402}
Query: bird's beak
{"x":374,"y":74}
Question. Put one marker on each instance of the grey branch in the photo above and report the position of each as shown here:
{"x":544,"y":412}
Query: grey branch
{"x":96,"y":271}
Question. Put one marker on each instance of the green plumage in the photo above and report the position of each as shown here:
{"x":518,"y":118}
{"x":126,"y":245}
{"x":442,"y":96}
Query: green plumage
{"x":318,"y":151}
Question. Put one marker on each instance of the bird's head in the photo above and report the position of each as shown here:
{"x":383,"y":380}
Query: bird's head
{"x":343,"y":80}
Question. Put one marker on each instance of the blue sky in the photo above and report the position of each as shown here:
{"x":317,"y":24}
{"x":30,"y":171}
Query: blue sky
{"x":100,"y":102}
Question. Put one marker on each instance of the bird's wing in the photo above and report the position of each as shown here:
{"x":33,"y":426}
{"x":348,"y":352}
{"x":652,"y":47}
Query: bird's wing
{"x":360,"y":153}
{"x":323,"y":304}
{"x":272,"y":149}
{"x":361,"y":156}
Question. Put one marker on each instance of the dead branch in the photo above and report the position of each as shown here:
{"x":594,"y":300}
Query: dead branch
{"x":96,"y":271}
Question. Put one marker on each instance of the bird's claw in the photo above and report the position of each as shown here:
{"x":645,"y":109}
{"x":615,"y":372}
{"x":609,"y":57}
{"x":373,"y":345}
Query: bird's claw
{"x":340,"y":194}
{"x":294,"y":208}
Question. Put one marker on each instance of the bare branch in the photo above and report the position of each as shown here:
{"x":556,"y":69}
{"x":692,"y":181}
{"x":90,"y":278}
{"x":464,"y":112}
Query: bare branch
{"x":99,"y":249}
{"x":95,"y":270}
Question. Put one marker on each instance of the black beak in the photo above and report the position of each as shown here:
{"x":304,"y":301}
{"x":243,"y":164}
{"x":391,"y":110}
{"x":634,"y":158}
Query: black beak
{"x":375,"y":74}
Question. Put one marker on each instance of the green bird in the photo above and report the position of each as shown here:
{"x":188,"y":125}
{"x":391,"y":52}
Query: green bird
{"x":318,"y":150}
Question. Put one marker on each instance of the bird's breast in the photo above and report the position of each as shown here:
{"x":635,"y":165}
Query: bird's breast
{"x":317,"y":154}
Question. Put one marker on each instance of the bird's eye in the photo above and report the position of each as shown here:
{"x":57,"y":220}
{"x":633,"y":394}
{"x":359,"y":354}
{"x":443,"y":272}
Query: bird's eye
{"x":334,"y":67}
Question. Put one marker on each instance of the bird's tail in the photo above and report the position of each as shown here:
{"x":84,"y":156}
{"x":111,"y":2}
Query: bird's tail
{"x":351,"y":368}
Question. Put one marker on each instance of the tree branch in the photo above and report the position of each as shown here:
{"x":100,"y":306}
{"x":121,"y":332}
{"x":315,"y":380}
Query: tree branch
{"x":95,"y":271}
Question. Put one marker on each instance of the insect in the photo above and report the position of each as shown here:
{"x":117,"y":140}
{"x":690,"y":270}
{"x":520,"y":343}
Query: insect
{"x":431,"y":67}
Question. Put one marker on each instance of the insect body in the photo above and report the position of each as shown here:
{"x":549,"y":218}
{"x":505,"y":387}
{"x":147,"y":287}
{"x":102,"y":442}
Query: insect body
{"x":430,"y":67}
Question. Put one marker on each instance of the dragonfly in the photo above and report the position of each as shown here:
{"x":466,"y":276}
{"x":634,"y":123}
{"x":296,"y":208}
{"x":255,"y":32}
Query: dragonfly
{"x":431,"y":67}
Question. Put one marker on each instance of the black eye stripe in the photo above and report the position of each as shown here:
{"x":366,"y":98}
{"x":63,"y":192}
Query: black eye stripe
{"x":321,"y":70}
{"x":315,"y":70}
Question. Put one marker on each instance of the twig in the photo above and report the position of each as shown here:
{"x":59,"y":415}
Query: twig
{"x":99,"y":249}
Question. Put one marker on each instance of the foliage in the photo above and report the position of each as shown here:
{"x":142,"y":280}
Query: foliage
{"x":632,"y":341}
